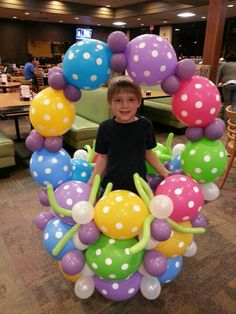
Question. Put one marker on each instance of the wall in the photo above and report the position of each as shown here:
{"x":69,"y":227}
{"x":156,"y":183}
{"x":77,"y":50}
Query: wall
{"x":15,"y":36}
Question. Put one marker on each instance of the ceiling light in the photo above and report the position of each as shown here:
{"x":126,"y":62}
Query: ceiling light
{"x":138,"y":19}
{"x":27,"y":13}
{"x":14,"y":17}
{"x":76,"y":18}
{"x":230,"y":5}
{"x":165,"y":22}
{"x":186,"y":14}
{"x":203,"y":17}
{"x":60,"y":21}
{"x":177,"y":29}
{"x":119,"y":23}
{"x":142,"y":24}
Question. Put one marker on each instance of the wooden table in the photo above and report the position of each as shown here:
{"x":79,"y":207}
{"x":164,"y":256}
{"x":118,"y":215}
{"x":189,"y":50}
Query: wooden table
{"x":153,"y":95}
{"x":9,"y":85}
{"x":12,"y":107}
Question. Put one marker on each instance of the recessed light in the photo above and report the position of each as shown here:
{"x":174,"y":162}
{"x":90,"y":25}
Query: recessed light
{"x":203,"y":17}
{"x":119,"y":23}
{"x":230,"y":5}
{"x":60,"y":21}
{"x":14,"y":17}
{"x":177,"y":29}
{"x":142,"y":24}
{"x":164,"y":22}
{"x":186,"y":14}
{"x":98,"y":24}
{"x":76,"y":18}
{"x":138,"y":19}
{"x":27,"y":13}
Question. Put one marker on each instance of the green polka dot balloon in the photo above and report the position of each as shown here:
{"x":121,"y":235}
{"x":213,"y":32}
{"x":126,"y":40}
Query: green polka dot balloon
{"x":204,"y":160}
{"x":111,"y":259}
{"x":162,"y":154}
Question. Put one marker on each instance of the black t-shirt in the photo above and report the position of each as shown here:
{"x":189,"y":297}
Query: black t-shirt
{"x":125,"y":144}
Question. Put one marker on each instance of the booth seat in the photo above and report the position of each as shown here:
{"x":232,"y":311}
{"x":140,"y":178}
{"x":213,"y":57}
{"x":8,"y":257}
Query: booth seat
{"x":7,"y":155}
{"x":159,"y":109}
{"x":91,"y":110}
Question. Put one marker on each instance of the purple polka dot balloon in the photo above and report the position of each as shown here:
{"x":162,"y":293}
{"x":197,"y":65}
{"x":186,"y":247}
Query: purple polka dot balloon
{"x":117,"y":41}
{"x":69,"y":193}
{"x":150,"y":59}
{"x":118,"y":290}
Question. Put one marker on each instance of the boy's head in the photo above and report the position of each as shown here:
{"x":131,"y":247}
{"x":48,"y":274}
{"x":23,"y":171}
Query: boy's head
{"x":123,"y":84}
{"x":124,"y":98}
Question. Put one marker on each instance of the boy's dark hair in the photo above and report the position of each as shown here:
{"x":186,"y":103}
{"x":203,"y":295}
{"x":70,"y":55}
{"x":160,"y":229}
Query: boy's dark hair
{"x":123,"y":84}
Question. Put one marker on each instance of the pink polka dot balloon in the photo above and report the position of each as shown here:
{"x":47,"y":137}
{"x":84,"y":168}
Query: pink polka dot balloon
{"x":186,"y":195}
{"x":150,"y":59}
{"x":197,"y":102}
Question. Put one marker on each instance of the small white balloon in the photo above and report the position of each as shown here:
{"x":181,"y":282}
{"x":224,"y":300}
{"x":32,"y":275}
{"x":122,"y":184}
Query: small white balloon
{"x":177,"y":149}
{"x":152,"y":243}
{"x":161,"y":206}
{"x":81,"y":154}
{"x":142,"y":270}
{"x":191,"y":250}
{"x":150,"y":287}
{"x":84,"y":287}
{"x":86,"y":271}
{"x":210,"y":191}
{"x":82,"y":212}
{"x":78,"y":244}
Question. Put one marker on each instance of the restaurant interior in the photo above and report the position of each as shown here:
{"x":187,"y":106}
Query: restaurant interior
{"x":32,"y":280}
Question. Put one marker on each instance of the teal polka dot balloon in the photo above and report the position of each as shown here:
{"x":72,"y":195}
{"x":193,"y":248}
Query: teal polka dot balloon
{"x":204,"y":160}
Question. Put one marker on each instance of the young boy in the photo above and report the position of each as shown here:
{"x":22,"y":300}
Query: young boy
{"x":126,"y":141}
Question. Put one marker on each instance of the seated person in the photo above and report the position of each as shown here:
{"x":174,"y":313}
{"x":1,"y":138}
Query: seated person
{"x":30,"y":68}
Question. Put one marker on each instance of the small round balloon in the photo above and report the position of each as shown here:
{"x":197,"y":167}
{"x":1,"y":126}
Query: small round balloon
{"x":150,"y":59}
{"x":86,"y":64}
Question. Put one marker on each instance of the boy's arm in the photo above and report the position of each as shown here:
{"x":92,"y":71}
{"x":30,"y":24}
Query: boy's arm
{"x":153,"y":160}
{"x":99,"y":168}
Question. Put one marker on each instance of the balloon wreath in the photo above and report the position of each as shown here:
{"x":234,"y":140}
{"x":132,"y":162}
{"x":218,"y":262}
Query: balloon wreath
{"x":123,"y":243}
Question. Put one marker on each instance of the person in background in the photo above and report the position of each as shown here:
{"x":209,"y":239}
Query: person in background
{"x":126,"y":141}
{"x":31,"y":68}
{"x":8,"y":68}
{"x":226,"y":77}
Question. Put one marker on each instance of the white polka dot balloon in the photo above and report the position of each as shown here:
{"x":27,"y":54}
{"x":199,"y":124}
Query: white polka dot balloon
{"x":86,"y":64}
{"x":197,"y":102}
{"x":150,"y":59}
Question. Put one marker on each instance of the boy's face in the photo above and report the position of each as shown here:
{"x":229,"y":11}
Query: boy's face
{"x":124,"y":106}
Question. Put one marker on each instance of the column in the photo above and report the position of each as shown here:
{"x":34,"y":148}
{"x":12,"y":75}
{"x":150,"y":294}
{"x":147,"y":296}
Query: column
{"x":214,"y":33}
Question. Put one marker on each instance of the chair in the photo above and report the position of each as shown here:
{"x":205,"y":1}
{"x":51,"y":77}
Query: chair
{"x":230,"y":142}
{"x":40,"y":82}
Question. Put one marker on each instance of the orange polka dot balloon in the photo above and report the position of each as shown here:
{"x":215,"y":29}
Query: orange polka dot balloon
{"x":120,"y":214}
{"x":177,"y":244}
{"x":51,"y":113}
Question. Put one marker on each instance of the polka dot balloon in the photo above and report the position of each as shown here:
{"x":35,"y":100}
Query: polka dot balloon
{"x":186,"y":195}
{"x":81,"y":170}
{"x":53,"y":233}
{"x":86,"y":64}
{"x":118,"y":290}
{"x":197,"y":102}
{"x":50,"y":167}
{"x":177,"y":244}
{"x":173,"y":269}
{"x":150,"y":59}
{"x":51,"y":113}
{"x":68,"y":194}
{"x":204,"y":160}
{"x":120,"y":214}
{"x":111,"y":259}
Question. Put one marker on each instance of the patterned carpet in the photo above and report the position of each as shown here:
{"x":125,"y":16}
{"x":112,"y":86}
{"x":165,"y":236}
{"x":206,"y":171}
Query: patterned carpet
{"x":30,"y":281}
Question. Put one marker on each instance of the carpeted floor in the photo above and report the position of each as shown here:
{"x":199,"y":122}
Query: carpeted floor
{"x":30,"y":281}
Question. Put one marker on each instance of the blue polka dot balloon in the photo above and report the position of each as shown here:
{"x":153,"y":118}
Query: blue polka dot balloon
{"x":86,"y":64}
{"x":174,"y":267}
{"x":81,"y":170}
{"x":50,"y":167}
{"x":53,"y":233}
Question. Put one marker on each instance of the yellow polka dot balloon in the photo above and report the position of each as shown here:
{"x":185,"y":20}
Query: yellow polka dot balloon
{"x":177,"y":244}
{"x":120,"y":214}
{"x":51,"y":113}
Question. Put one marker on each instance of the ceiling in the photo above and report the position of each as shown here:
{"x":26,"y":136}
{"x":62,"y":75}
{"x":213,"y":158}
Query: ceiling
{"x":136,"y":13}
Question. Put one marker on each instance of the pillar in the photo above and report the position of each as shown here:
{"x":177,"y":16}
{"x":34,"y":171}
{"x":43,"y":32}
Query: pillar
{"x":214,"y":33}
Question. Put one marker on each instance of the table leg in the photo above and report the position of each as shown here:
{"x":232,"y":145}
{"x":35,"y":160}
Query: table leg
{"x":17,"y":128}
